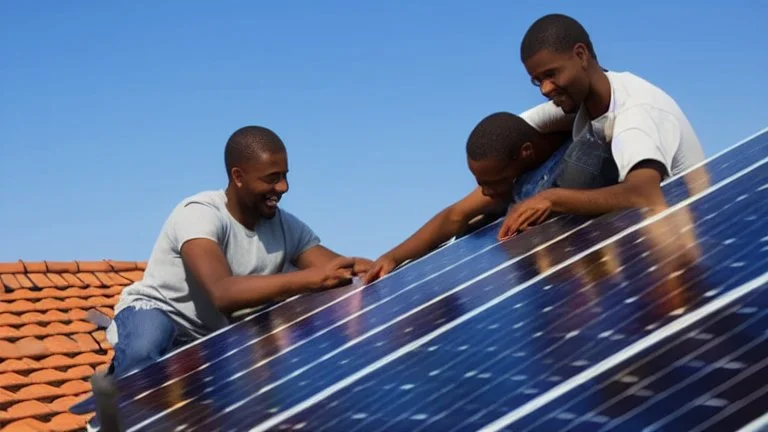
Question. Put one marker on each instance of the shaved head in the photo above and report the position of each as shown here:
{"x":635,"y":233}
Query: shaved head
{"x":249,"y":143}
{"x":500,"y":136}
{"x":555,"y":32}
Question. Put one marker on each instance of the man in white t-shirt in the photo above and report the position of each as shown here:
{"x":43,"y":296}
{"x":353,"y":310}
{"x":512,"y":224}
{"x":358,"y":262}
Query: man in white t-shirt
{"x":628,"y":135}
{"x":219,"y":252}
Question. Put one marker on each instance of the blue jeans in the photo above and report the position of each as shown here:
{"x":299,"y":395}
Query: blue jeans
{"x":143,"y":336}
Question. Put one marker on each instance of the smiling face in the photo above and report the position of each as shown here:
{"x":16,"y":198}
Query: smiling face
{"x":260,"y":182}
{"x":562,"y":76}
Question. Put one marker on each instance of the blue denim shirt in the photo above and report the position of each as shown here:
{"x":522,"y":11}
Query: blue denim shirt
{"x":543,"y":177}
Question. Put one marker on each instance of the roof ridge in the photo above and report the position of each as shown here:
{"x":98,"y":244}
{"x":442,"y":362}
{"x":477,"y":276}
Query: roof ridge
{"x":75,"y":266}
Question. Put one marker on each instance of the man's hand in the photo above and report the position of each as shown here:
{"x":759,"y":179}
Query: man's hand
{"x":385,"y":264}
{"x":524,"y":214}
{"x":335,"y":274}
{"x":362,"y":266}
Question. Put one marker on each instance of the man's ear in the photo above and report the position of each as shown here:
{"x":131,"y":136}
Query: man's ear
{"x":238,"y":177}
{"x":526,"y":151}
{"x":582,"y":53}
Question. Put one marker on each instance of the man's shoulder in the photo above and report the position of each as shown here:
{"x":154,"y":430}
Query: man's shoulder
{"x":634,"y":92}
{"x":289,"y":219}
{"x":206,"y":208}
{"x":212,"y":198}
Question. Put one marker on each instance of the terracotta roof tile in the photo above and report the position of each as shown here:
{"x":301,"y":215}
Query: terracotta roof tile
{"x":7,"y":332}
{"x":48,"y":347}
{"x":14,"y":267}
{"x":40,"y":280}
{"x":123,"y":265}
{"x":62,"y":267}
{"x":133,"y":276}
{"x":32,"y":348}
{"x":9,"y":319}
{"x":94,"y":266}
{"x":24,"y":281}
{"x":89,"y":279}
{"x":10,"y":379}
{"x":18,"y":365}
{"x":8,"y":350}
{"x":30,"y":408}
{"x":35,"y":266}
{"x":58,"y":281}
{"x":9,"y":280}
{"x":72,"y":280}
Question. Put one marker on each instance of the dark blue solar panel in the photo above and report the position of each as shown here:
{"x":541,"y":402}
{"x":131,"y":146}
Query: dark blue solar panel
{"x":291,"y":362}
{"x":205,"y":369}
{"x":477,"y":372}
{"x":709,"y":377}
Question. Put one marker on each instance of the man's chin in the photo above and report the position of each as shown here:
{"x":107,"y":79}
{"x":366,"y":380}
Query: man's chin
{"x":267,"y":212}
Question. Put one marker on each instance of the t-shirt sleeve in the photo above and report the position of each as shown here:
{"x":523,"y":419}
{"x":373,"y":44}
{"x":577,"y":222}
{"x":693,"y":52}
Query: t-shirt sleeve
{"x":299,"y":236}
{"x":197,"y":220}
{"x":548,"y":118}
{"x":644,"y":134}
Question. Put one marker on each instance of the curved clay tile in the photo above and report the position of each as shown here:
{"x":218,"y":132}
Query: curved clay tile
{"x":35,"y":266}
{"x":13,"y":267}
{"x":94,"y":266}
{"x":62,"y":266}
{"x":40,"y":280}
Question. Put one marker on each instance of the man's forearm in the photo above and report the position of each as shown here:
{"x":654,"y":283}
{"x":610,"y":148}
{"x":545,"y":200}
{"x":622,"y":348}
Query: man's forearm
{"x":437,"y":231}
{"x":591,"y":202}
{"x":240,"y":292}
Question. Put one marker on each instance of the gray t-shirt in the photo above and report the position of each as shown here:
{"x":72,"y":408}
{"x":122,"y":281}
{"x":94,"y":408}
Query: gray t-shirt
{"x":169,"y":286}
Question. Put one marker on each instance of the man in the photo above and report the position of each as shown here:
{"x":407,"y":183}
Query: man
{"x":510,"y":160}
{"x":220,"y":252}
{"x":628,"y":135}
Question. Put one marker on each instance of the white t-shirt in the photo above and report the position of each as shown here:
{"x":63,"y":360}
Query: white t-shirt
{"x":642,"y":122}
{"x":167,"y":283}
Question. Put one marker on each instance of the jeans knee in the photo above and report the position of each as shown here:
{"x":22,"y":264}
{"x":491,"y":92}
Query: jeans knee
{"x":143,"y":336}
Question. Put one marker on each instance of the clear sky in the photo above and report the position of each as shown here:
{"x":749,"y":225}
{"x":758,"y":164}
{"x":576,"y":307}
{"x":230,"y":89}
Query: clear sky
{"x":110,"y":114}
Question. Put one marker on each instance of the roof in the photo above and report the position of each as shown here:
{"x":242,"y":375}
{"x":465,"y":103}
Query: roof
{"x":48,"y":347}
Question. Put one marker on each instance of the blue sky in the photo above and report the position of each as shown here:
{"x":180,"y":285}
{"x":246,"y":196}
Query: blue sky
{"x":111,"y":113}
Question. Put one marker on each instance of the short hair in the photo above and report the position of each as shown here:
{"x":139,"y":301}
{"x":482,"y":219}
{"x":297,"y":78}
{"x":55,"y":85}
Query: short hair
{"x":248,"y":142}
{"x":499,"y":136}
{"x":556,"y":32}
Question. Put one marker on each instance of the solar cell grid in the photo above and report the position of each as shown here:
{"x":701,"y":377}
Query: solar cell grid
{"x":278,"y":358}
{"x":679,"y":384}
{"x":715,"y":254}
{"x":456,"y":253}
{"x":586,"y":236}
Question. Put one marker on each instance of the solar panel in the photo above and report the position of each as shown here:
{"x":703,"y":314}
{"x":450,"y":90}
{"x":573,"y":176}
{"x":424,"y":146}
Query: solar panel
{"x":447,"y":376}
{"x":372,"y":352}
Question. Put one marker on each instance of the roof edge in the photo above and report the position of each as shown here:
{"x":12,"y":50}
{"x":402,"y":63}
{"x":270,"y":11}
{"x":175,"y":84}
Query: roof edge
{"x":106,"y":265}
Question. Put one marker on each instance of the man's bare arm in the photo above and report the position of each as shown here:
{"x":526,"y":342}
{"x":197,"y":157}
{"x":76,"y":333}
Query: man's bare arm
{"x":321,"y":256}
{"x":208,"y":265}
{"x":641,"y":188}
{"x":440,"y":228}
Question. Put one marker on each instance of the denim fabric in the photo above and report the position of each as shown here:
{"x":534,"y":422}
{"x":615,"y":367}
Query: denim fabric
{"x":543,"y":177}
{"x":588,"y":163}
{"x":144,"y":335}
